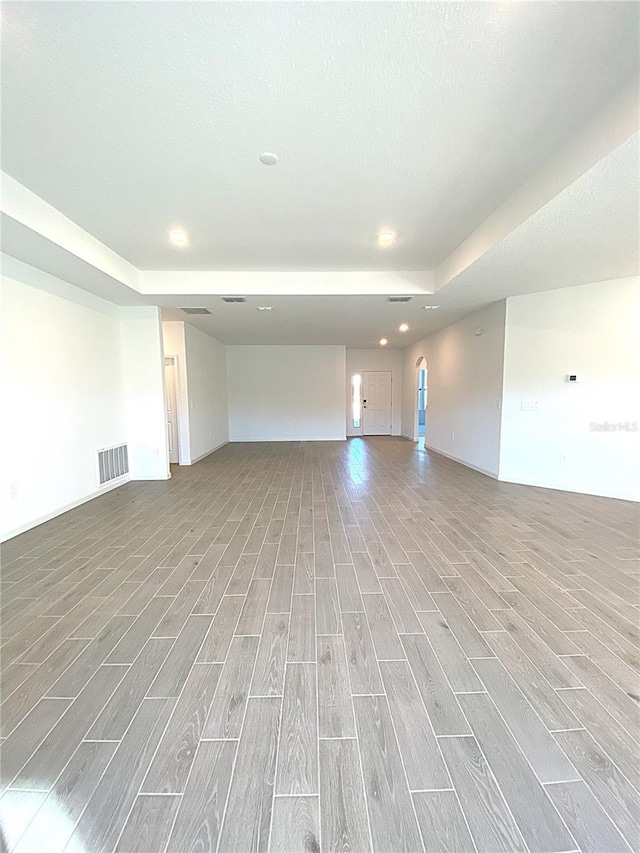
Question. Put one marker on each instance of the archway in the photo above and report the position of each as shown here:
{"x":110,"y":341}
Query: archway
{"x":420,"y":401}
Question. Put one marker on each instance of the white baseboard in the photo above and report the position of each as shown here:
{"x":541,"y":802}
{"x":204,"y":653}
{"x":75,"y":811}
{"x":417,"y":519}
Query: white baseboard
{"x":409,"y":438}
{"x":462,"y":462}
{"x":382,"y":435}
{"x":151,"y":479}
{"x":290,"y":440}
{"x":30,"y":525}
{"x":207,"y":453}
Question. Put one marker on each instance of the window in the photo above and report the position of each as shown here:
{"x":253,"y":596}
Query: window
{"x":356,"y":400}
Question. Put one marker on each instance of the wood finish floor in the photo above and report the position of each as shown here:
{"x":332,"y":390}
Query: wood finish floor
{"x":323,"y":647}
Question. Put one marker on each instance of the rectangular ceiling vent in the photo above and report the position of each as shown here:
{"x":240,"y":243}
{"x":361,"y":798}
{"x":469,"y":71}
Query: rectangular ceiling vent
{"x":195,"y":310}
{"x":234,"y":298}
{"x":399,"y":298}
{"x":113,"y":462}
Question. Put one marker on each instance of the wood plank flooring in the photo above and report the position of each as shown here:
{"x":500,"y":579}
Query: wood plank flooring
{"x":338,"y":647}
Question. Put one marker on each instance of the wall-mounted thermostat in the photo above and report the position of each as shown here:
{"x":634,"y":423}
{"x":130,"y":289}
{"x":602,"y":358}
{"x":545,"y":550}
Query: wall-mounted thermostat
{"x":573,"y":377}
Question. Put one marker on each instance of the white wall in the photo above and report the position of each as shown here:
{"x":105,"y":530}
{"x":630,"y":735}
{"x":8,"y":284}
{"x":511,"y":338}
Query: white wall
{"x":592,"y":330}
{"x":359,"y":360}
{"x":203,"y":410}
{"x":78,"y":374}
{"x":208,"y":397}
{"x":286,"y":393}
{"x":174,"y":342}
{"x":143,"y":383}
{"x":62,"y":394}
{"x":464,"y":387}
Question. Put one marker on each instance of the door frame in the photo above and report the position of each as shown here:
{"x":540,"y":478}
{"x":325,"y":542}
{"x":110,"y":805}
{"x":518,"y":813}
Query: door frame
{"x":176,"y":393}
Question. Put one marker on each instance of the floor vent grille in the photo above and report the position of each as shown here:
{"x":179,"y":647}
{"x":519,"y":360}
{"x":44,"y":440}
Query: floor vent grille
{"x":399,"y":298}
{"x":113,"y":462}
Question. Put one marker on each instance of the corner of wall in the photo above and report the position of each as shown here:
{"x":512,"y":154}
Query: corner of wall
{"x":502,"y":388}
{"x":143,"y":384}
{"x":579,"y":437}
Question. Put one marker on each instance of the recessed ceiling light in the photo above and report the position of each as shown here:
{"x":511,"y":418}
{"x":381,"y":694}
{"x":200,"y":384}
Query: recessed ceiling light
{"x":268,"y":158}
{"x":265,"y":307}
{"x":383,"y":342}
{"x":178,"y":236}
{"x":403,"y":327}
{"x":386,"y":238}
{"x":430,"y":307}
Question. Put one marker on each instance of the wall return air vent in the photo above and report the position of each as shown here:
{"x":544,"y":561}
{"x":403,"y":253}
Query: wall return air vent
{"x":113,"y":462}
{"x":233,"y":298}
{"x":399,"y":298}
{"x":195,"y":310}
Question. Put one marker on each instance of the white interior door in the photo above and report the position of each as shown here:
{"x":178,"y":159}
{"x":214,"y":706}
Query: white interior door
{"x":376,"y":402}
{"x":172,"y":408}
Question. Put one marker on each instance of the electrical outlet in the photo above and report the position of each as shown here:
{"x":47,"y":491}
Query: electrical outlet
{"x":563,"y":457}
{"x":156,"y":451}
{"x":13,"y":490}
{"x":452,"y":437}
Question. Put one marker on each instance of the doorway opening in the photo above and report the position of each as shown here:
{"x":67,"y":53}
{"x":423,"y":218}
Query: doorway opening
{"x":171,"y":405}
{"x":420,"y":424}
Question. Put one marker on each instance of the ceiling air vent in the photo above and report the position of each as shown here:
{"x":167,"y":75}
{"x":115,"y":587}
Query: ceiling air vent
{"x":399,"y":298}
{"x":196,"y":310}
{"x":233,"y":298}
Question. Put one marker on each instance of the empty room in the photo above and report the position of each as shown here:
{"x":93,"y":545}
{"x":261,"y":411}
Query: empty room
{"x":320,"y":457}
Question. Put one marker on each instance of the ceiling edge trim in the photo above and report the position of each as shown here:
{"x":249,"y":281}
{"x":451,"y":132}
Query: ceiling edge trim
{"x":25,"y":207}
{"x":286,"y":283}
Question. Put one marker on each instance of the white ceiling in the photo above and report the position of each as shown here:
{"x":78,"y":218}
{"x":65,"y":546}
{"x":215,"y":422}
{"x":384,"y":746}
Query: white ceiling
{"x":587,"y":233}
{"x":128,"y":117}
